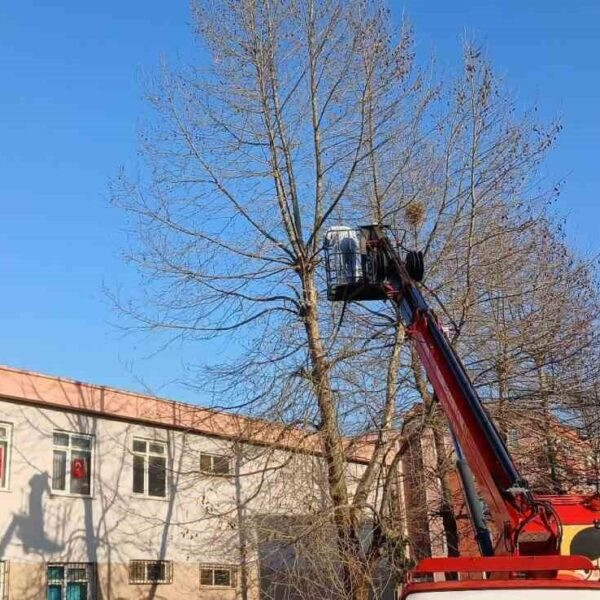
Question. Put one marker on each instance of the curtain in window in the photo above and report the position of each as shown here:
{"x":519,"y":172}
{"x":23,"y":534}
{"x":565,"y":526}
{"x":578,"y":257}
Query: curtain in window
{"x":59,"y":470}
{"x":222,"y":577}
{"x":155,"y":571}
{"x":157,"y":476}
{"x":54,"y":592}
{"x":221,"y":465}
{"x":139,"y":466}
{"x":77,"y":591}
{"x":206,"y":463}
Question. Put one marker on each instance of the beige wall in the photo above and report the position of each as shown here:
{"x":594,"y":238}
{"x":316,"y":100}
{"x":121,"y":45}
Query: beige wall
{"x":201,"y":520}
{"x":28,"y":582}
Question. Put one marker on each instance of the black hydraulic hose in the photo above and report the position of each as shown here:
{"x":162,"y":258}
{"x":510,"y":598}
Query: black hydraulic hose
{"x":482,"y":533}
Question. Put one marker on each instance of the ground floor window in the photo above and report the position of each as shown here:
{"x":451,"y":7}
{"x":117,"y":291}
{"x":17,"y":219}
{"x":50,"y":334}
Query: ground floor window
{"x":70,"y":581}
{"x":150,"y":571}
{"x":3,"y":580}
{"x":217,"y":576}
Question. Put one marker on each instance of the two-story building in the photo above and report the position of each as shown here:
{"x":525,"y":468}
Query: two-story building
{"x":115,"y":495}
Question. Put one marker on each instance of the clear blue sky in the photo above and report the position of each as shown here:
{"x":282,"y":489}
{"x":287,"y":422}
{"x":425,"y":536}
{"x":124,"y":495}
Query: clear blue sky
{"x":71,"y":100}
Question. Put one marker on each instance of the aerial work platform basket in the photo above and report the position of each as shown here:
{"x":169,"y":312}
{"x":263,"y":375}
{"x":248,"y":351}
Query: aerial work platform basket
{"x":356,"y":268}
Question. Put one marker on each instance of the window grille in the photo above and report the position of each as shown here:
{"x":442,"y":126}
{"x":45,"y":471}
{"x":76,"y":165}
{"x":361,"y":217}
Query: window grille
{"x":71,"y":581}
{"x":3,"y":580}
{"x":149,"y":468}
{"x":150,"y":571}
{"x":72,"y":463}
{"x":215,"y":464}
{"x":217,"y":576}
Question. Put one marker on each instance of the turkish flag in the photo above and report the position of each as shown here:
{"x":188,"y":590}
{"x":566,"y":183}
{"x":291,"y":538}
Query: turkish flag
{"x":78,"y":468}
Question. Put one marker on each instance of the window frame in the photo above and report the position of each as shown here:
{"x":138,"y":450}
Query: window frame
{"x":513,"y":437}
{"x":4,"y":570}
{"x":147,"y":454}
{"x":69,"y":450}
{"x":233,"y":569}
{"x":146,"y":564}
{"x":5,"y":460}
{"x":90,"y":579}
{"x":592,"y":468}
{"x":212,"y":472}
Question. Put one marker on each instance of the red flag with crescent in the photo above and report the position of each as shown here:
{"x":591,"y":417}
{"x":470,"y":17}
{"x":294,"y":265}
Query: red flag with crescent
{"x":78,"y":468}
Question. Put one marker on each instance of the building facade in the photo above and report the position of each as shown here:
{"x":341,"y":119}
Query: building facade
{"x":553,"y":457}
{"x":114,"y":495}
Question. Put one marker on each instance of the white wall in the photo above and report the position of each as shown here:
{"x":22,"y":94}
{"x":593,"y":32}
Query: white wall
{"x":198,"y":521}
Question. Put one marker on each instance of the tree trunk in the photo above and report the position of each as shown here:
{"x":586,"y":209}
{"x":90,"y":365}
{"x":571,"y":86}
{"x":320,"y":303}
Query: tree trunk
{"x":345,"y":519}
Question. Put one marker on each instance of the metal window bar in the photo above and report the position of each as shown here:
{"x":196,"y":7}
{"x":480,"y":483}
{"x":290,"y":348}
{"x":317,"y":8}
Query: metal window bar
{"x":150,"y":571}
{"x":71,"y":580}
{"x":3,"y":580}
{"x":223,"y":576}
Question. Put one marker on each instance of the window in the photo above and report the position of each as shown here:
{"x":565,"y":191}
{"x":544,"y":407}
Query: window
{"x":5,"y":431}
{"x":592,"y":469}
{"x":149,"y":468}
{"x":70,"y":581}
{"x":3,"y":580}
{"x":150,"y":571}
{"x":217,"y":576}
{"x":215,"y":464}
{"x":72,"y":463}
{"x":513,"y":438}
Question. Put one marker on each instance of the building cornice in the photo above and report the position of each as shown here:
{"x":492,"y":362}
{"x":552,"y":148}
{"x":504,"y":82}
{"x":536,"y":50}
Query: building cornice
{"x":59,"y":393}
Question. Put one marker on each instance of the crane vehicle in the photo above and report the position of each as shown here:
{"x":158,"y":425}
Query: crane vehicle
{"x":543,"y":546}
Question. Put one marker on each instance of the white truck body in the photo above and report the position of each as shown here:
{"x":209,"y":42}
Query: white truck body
{"x":508,"y":594}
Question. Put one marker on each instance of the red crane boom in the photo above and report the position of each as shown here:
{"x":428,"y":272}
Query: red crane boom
{"x":365,"y":265}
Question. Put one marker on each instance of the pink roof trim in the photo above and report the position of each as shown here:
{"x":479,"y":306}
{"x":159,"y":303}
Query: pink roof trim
{"x":71,"y":395}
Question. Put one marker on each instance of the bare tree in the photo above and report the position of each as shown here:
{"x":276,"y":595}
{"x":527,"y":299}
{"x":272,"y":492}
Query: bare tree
{"x":309,"y":114}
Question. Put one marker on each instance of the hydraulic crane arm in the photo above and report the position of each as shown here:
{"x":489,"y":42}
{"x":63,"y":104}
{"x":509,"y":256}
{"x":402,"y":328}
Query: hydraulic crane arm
{"x":526,"y":525}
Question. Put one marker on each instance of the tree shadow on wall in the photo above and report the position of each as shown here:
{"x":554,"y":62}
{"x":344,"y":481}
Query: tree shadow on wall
{"x":29,"y":527}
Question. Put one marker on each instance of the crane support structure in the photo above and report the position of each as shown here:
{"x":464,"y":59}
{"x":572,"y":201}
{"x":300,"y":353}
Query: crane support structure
{"x":364,"y":265}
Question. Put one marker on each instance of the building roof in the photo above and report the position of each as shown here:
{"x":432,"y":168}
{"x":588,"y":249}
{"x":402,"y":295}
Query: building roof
{"x":60,"y":393}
